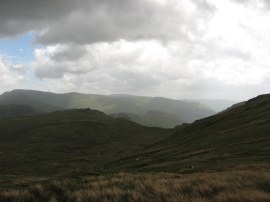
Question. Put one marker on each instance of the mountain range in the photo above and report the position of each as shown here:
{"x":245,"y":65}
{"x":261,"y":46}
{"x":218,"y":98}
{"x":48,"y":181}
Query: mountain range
{"x":150,"y":111}
{"x":89,"y":141}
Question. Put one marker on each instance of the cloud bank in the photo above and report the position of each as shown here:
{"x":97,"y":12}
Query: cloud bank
{"x":179,"y":49}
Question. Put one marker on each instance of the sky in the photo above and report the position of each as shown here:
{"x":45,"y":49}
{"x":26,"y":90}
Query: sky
{"x":181,"y":49}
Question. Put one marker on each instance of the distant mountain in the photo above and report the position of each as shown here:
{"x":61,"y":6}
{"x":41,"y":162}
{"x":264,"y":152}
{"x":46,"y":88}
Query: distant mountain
{"x":110,"y":104}
{"x":239,"y":136}
{"x":27,"y":98}
{"x":153,"y":119}
{"x":11,"y":111}
{"x":216,"y":105}
{"x":77,"y":140}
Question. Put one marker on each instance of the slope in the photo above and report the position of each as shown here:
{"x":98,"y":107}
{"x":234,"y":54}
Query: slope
{"x":239,"y":136}
{"x":152,"y":119}
{"x":11,"y":111}
{"x":69,"y":141}
{"x":27,"y":99}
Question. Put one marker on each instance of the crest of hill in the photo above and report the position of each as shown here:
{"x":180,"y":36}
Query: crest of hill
{"x":27,"y":98}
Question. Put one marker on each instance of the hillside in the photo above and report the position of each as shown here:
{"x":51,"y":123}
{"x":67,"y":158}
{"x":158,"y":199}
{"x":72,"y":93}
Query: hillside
{"x":26,"y":99}
{"x":239,"y":136}
{"x":152,"y":119}
{"x":77,"y":140}
{"x":89,"y":140}
{"x":85,"y":155}
{"x":11,"y":111}
{"x":110,"y":104}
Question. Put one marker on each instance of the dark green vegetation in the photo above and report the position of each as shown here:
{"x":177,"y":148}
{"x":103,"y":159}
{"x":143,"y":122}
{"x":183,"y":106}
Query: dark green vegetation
{"x":11,"y":111}
{"x":75,"y":155}
{"x":84,"y":140}
{"x":170,"y":110}
{"x":20,"y":98}
{"x":238,"y":136}
{"x":79,"y":140}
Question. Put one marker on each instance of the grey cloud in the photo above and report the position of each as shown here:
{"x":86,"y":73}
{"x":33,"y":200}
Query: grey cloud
{"x":90,"y":21}
{"x":204,"y":6}
{"x":19,"y":16}
{"x":103,"y":82}
{"x":57,"y":71}
{"x":71,"y":53}
{"x":123,"y":68}
{"x":266,"y":3}
{"x":100,"y":21}
{"x":50,"y":72}
{"x":134,"y":80}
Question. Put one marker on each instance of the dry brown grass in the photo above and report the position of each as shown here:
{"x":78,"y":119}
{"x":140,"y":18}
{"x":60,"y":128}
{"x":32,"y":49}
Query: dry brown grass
{"x":231,"y":186}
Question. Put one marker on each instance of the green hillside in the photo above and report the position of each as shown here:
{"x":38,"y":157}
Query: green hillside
{"x":85,"y":155}
{"x":11,"y":111}
{"x":26,"y":99}
{"x":69,"y":141}
{"x":88,"y":140}
{"x":239,"y":136}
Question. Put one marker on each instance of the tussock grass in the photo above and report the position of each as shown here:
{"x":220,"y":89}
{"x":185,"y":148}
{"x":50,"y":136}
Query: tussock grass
{"x":230,"y":186}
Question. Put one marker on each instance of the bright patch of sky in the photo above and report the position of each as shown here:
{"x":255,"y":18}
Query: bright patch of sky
{"x":19,"y":49}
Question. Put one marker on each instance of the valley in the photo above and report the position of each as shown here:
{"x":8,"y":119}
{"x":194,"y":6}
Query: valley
{"x":59,"y":155}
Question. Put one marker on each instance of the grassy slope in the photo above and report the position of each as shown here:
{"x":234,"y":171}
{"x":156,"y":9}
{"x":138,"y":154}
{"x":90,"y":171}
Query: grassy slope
{"x":236,"y":141}
{"x":236,"y":186}
{"x":9,"y":111}
{"x":69,"y":141}
{"x":21,"y":98}
{"x":89,"y":140}
{"x":239,"y":136}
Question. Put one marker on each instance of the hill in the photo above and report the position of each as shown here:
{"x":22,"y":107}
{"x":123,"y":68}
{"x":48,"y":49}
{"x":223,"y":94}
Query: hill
{"x":77,"y":140}
{"x":110,"y":104}
{"x":11,"y":111}
{"x":85,"y":139}
{"x":27,"y":99}
{"x":239,"y":136}
{"x":85,"y":155}
{"x":152,"y":119}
